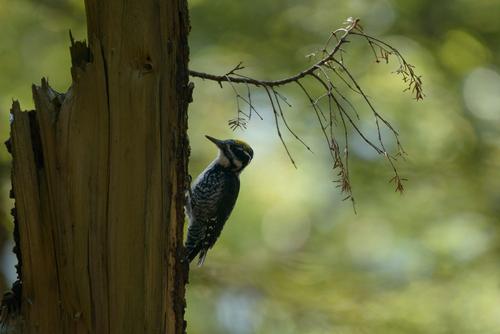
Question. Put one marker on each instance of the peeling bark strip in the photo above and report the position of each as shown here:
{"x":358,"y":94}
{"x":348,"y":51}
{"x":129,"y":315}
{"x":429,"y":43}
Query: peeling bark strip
{"x":99,"y":176}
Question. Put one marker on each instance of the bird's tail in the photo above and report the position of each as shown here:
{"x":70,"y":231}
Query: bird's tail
{"x":191,"y":253}
{"x":201,"y":259}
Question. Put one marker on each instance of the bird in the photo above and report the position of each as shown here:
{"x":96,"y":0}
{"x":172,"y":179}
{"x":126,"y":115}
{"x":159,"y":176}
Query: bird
{"x":212,"y":196}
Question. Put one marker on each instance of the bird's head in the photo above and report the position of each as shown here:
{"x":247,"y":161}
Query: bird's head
{"x":233,"y":154}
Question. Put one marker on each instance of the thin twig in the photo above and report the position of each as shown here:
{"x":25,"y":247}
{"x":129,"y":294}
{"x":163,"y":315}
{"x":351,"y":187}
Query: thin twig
{"x":276,"y":97}
{"x":396,"y":179}
{"x":315,"y":107}
{"x":405,"y":69}
{"x":276,"y":123}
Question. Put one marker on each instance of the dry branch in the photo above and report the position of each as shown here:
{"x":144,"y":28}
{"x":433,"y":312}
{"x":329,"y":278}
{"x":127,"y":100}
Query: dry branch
{"x":329,"y":69}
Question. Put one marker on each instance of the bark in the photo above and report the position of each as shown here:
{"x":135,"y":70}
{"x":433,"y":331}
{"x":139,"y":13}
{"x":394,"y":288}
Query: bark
{"x":99,"y":175}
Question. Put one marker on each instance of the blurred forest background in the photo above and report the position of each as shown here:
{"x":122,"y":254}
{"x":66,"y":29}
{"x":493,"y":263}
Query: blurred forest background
{"x":294,"y":257}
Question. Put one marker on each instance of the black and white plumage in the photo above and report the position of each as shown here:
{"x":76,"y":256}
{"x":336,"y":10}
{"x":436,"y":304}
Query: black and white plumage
{"x":213,"y":195}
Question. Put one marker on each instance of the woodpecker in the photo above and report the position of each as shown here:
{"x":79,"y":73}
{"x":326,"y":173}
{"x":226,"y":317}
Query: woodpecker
{"x":212,"y":196}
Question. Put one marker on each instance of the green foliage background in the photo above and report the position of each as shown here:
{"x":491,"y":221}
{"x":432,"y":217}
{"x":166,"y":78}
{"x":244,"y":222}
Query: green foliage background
{"x":294,"y":257}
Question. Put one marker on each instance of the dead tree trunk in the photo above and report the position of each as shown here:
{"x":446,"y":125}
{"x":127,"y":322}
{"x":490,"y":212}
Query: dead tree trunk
{"x":99,"y":178}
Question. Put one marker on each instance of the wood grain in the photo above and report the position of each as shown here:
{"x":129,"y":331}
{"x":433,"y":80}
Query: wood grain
{"x":99,"y":175}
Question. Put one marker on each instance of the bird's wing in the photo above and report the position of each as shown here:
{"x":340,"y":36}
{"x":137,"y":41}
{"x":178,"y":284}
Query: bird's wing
{"x":223,"y":209}
{"x":209,"y":216}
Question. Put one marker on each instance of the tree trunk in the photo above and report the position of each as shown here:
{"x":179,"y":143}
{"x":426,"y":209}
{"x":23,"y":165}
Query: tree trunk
{"x":99,"y":175}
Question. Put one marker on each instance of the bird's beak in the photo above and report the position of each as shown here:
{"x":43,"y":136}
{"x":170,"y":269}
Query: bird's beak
{"x":215,"y":141}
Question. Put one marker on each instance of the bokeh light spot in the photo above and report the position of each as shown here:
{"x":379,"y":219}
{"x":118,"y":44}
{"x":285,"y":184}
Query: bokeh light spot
{"x":482,"y":93}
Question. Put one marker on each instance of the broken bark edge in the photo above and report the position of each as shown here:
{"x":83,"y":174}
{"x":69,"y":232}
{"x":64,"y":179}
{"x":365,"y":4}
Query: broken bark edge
{"x":80,"y":55}
{"x":10,"y":307}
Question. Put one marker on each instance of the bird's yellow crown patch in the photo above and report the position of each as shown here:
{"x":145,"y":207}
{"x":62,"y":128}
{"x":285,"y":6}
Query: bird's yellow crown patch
{"x":245,"y":146}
